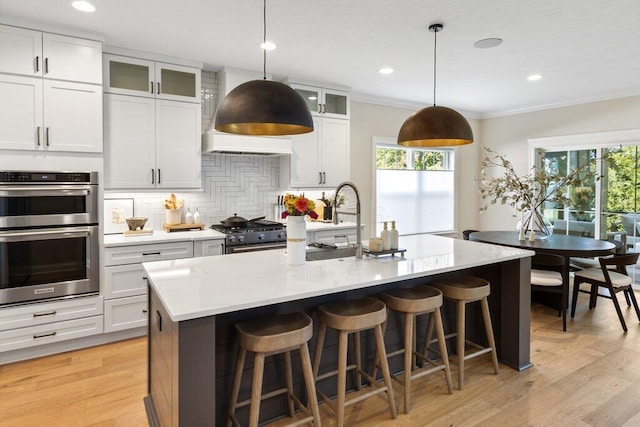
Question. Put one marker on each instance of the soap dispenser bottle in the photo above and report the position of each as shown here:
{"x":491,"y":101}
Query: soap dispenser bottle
{"x":196,"y":217}
{"x":188,"y":218}
{"x":386,"y":238}
{"x":393,"y":235}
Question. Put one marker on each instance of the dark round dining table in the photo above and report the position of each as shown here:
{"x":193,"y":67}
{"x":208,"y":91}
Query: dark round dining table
{"x":559,"y":244}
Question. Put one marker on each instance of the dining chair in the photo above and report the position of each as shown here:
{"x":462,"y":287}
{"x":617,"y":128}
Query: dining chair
{"x":614,"y":281}
{"x":547,"y":272}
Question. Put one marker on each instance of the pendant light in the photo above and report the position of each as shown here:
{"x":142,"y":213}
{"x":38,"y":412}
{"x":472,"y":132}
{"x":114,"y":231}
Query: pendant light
{"x":435,"y":126}
{"x":263,"y":107}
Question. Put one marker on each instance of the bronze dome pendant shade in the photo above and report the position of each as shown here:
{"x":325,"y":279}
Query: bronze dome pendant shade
{"x":263,"y":107}
{"x":435,"y":126}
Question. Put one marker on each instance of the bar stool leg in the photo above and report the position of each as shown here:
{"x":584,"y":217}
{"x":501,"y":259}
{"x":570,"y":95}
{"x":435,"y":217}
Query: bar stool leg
{"x":342,"y":375}
{"x":443,"y":347}
{"x":307,"y":372}
{"x":358,"y":356}
{"x":256,"y":389}
{"x":414,"y":343}
{"x":384,"y":367}
{"x":235,"y":388}
{"x":461,"y":328}
{"x":289,"y":379}
{"x":487,"y":326}
{"x":408,"y":357}
{"x":317,"y":352}
{"x":427,"y":339}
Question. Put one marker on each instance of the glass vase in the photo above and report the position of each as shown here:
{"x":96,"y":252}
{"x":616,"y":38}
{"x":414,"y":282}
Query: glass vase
{"x":296,"y":240}
{"x":534,"y":220}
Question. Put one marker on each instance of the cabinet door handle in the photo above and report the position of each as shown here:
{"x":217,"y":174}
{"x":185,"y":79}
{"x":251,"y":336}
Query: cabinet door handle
{"x":46,"y":135}
{"x":37,"y":64}
{"x":151,"y":85}
{"x":38,"y":135}
{"x":153,"y":176}
{"x":324,"y":177}
{"x":319,"y":177}
{"x":159,"y":321}
{"x":48,"y":313}
{"x":144,"y":277}
{"x":150,"y":253}
{"x":46,"y":65}
{"x":159,"y":176}
{"x":158,"y":91}
{"x":144,"y":311}
{"x":50,"y":334}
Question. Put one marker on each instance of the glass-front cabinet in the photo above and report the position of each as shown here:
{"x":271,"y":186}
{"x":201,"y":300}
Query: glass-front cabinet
{"x":133,"y":76}
{"x":324,"y":102}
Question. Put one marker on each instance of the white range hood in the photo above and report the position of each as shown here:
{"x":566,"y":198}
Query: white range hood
{"x":214,"y":141}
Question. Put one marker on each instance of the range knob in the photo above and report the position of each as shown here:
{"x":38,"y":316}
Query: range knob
{"x":240,"y":238}
{"x":282,"y":235}
{"x":232,"y":239}
{"x":261,"y":236}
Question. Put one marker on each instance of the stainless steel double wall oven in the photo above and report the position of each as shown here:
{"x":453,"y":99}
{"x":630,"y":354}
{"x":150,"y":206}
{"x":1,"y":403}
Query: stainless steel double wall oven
{"x":49,"y":242}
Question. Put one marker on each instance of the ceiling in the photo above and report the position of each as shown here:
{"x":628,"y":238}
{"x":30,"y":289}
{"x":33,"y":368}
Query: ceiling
{"x":586,"y":50}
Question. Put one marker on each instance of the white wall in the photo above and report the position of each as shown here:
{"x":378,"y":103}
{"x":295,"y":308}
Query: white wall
{"x":509,"y":135}
{"x":369,"y":120}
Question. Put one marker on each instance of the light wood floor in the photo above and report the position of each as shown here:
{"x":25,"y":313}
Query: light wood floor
{"x":589,"y":375}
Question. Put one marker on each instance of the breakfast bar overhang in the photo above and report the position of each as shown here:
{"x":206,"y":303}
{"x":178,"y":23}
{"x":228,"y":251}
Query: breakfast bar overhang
{"x":194,"y":303}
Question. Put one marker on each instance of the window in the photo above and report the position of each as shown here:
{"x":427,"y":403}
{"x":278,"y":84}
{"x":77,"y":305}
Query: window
{"x":414,"y":187}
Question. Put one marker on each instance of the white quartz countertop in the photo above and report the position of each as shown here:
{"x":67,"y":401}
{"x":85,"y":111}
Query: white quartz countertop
{"x":159,"y":236}
{"x":198,"y":287}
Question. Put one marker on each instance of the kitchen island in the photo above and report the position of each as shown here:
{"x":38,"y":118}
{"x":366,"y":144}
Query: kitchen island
{"x":195,"y":302}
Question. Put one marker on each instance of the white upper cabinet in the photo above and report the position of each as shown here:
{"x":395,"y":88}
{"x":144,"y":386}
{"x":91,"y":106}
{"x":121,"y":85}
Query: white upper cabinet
{"x":321,"y":158}
{"x":133,"y":76}
{"x":33,"y":53}
{"x":49,"y":115}
{"x":324,"y":102}
{"x":151,"y":143}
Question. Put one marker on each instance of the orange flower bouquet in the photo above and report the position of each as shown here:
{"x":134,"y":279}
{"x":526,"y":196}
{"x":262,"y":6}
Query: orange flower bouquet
{"x":299,"y":206}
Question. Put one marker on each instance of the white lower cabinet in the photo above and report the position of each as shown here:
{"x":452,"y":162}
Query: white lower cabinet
{"x":125,"y":313}
{"x":208,"y":247}
{"x":50,"y":322}
{"x":125,"y":281}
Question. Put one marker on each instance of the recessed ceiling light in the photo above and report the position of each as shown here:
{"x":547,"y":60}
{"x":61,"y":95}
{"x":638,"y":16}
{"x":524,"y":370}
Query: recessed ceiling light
{"x":268,"y":45}
{"x":488,"y":43}
{"x":83,"y":6}
{"x":385,"y":70}
{"x":534,"y":77}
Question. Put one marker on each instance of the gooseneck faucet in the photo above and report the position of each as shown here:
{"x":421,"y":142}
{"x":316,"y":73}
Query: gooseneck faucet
{"x":357,"y":214}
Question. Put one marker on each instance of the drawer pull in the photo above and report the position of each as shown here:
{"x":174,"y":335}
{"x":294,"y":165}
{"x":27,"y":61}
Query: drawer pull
{"x":144,"y":311}
{"x":145,"y":278}
{"x":159,"y":321}
{"x":48,"y":313}
{"x":50,"y":334}
{"x":150,"y":253}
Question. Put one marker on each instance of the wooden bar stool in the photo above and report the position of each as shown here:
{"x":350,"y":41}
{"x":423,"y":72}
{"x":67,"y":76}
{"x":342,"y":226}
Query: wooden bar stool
{"x":414,"y":302}
{"x":352,"y":317}
{"x":465,"y":290}
{"x":266,"y":337}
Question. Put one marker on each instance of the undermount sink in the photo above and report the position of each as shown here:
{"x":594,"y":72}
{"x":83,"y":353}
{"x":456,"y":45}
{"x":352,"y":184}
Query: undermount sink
{"x":330,"y":253}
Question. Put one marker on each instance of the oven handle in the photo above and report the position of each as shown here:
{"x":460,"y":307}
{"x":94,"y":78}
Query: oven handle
{"x":254,"y":248}
{"x":61,"y":190}
{"x":67,"y":232}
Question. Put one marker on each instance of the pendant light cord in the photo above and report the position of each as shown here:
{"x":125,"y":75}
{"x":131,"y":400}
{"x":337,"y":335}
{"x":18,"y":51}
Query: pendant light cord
{"x":264,"y":39}
{"x":435,"y":44}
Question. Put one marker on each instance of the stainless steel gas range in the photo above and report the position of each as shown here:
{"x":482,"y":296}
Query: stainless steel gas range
{"x":254,"y":235}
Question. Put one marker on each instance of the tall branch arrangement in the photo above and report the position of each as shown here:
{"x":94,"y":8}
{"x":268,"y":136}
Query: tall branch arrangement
{"x":527,"y":192}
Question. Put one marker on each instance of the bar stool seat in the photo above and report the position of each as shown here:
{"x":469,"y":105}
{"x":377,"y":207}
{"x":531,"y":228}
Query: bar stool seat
{"x":413,"y":302}
{"x":352,"y":317}
{"x":266,"y":337}
{"x":465,"y":290}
